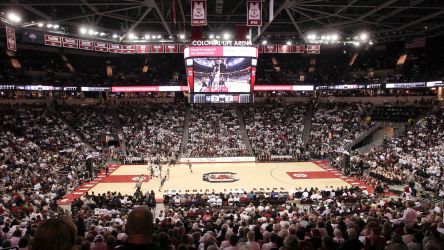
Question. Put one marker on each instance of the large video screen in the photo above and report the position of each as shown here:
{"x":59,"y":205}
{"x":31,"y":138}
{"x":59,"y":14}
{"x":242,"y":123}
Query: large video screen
{"x":222,"y":75}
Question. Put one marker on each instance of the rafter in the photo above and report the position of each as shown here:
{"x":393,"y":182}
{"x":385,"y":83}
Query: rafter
{"x":134,"y":25}
{"x":165,"y":25}
{"x":294,"y":23}
{"x":276,"y":13}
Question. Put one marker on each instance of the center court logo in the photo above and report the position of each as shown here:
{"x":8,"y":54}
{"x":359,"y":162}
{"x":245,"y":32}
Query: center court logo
{"x":299,"y":175}
{"x":219,"y":177}
{"x":138,"y":178}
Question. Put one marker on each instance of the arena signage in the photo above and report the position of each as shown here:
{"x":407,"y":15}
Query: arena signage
{"x":435,"y":84}
{"x":407,"y":85}
{"x":217,"y":159}
{"x":220,"y":51}
{"x":220,"y":43}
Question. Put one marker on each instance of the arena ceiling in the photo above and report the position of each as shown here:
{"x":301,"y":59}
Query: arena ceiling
{"x":385,"y":20}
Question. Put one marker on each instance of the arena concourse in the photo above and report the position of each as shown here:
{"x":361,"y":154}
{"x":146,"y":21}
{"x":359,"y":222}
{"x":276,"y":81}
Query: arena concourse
{"x":221,"y":125}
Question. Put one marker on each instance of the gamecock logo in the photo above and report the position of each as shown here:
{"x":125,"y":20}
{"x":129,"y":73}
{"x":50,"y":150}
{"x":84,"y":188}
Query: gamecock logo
{"x":219,"y":177}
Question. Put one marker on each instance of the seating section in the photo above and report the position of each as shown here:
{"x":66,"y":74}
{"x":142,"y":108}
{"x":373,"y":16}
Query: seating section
{"x":92,"y":122}
{"x":214,"y":131}
{"x":275,"y":129}
{"x":334,"y":124}
{"x":152,"y":131}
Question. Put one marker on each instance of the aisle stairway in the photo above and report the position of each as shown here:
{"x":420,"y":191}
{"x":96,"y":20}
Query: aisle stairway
{"x":54,"y":108}
{"x":307,"y":122}
{"x":186,"y":125}
{"x":243,"y":130}
{"x":118,"y":126}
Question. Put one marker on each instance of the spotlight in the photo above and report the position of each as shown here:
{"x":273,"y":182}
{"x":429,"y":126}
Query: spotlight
{"x":40,"y":25}
{"x":363,"y":36}
{"x":371,"y":42}
{"x":248,"y":36}
{"x":334,"y":37}
{"x":159,"y":37}
{"x":147,"y":37}
{"x":264,"y":42}
{"x":49,"y":25}
{"x":115,"y":35}
{"x":91,"y":32}
{"x":311,"y":36}
{"x":356,"y":44}
{"x":182,"y":36}
{"x":288,"y":42}
{"x":211,"y":36}
{"x":55,"y":26}
{"x":226,"y":36}
{"x":131,"y":36}
{"x":82,"y":30}
{"x":14,"y":17}
{"x":217,"y":37}
{"x":153,"y":37}
{"x":102,"y":34}
{"x":96,"y":33}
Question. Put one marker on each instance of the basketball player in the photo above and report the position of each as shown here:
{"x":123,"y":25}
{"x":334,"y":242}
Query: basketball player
{"x":216,"y":73}
{"x":139,"y":183}
{"x":189,"y":166}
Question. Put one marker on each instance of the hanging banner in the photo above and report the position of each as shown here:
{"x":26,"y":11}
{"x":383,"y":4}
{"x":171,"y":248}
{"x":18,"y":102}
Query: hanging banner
{"x":198,"y":12}
{"x":142,"y":49}
{"x":51,"y":40}
{"x":101,"y":46}
{"x":182,"y":48}
{"x":115,"y":48}
{"x":284,"y":48}
{"x":171,"y":48}
{"x":270,"y":48}
{"x":69,"y":42}
{"x":128,"y":49}
{"x":313,"y":49}
{"x":157,"y":48}
{"x":86,"y":45}
{"x":298,"y":49}
{"x":11,"y":43}
{"x":254,"y":13}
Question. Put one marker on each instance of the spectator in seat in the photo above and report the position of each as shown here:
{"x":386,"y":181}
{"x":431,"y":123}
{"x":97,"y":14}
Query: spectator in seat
{"x":139,"y":229}
{"x":56,"y":234}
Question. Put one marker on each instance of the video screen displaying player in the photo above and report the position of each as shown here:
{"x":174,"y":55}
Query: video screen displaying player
{"x":222,"y":74}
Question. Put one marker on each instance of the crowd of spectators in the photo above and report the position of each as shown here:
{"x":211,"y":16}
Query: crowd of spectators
{"x":92,"y":122}
{"x":214,"y":132}
{"x":414,"y":158}
{"x":275,"y":130}
{"x":40,"y":161}
{"x":336,"y":124}
{"x":152,"y":131}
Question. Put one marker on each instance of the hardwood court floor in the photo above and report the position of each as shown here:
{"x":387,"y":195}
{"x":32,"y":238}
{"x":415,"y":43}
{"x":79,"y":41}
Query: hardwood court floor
{"x":219,"y":177}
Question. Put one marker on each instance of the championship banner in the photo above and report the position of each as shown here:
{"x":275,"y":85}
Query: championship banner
{"x":11,"y":43}
{"x":270,"y":48}
{"x":260,"y":49}
{"x":128,"y":49}
{"x":157,"y":48}
{"x":298,"y":49}
{"x":51,"y":40}
{"x":313,"y":49}
{"x":115,"y":48}
{"x":86,"y":45}
{"x":284,"y":48}
{"x":69,"y":42}
{"x":143,"y":49}
{"x":182,"y":48}
{"x":101,"y":46}
{"x":198,"y":12}
{"x":254,"y":13}
{"x":171,"y":48}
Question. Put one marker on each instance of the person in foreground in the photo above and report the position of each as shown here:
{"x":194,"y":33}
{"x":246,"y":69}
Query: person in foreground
{"x":56,"y":234}
{"x":140,"y":230}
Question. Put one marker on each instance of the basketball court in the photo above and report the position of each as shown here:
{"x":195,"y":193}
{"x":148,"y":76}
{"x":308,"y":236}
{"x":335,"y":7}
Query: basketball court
{"x":218,"y":177}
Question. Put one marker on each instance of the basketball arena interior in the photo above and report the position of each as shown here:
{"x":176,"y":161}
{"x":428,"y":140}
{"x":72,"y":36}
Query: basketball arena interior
{"x":220,"y":124}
